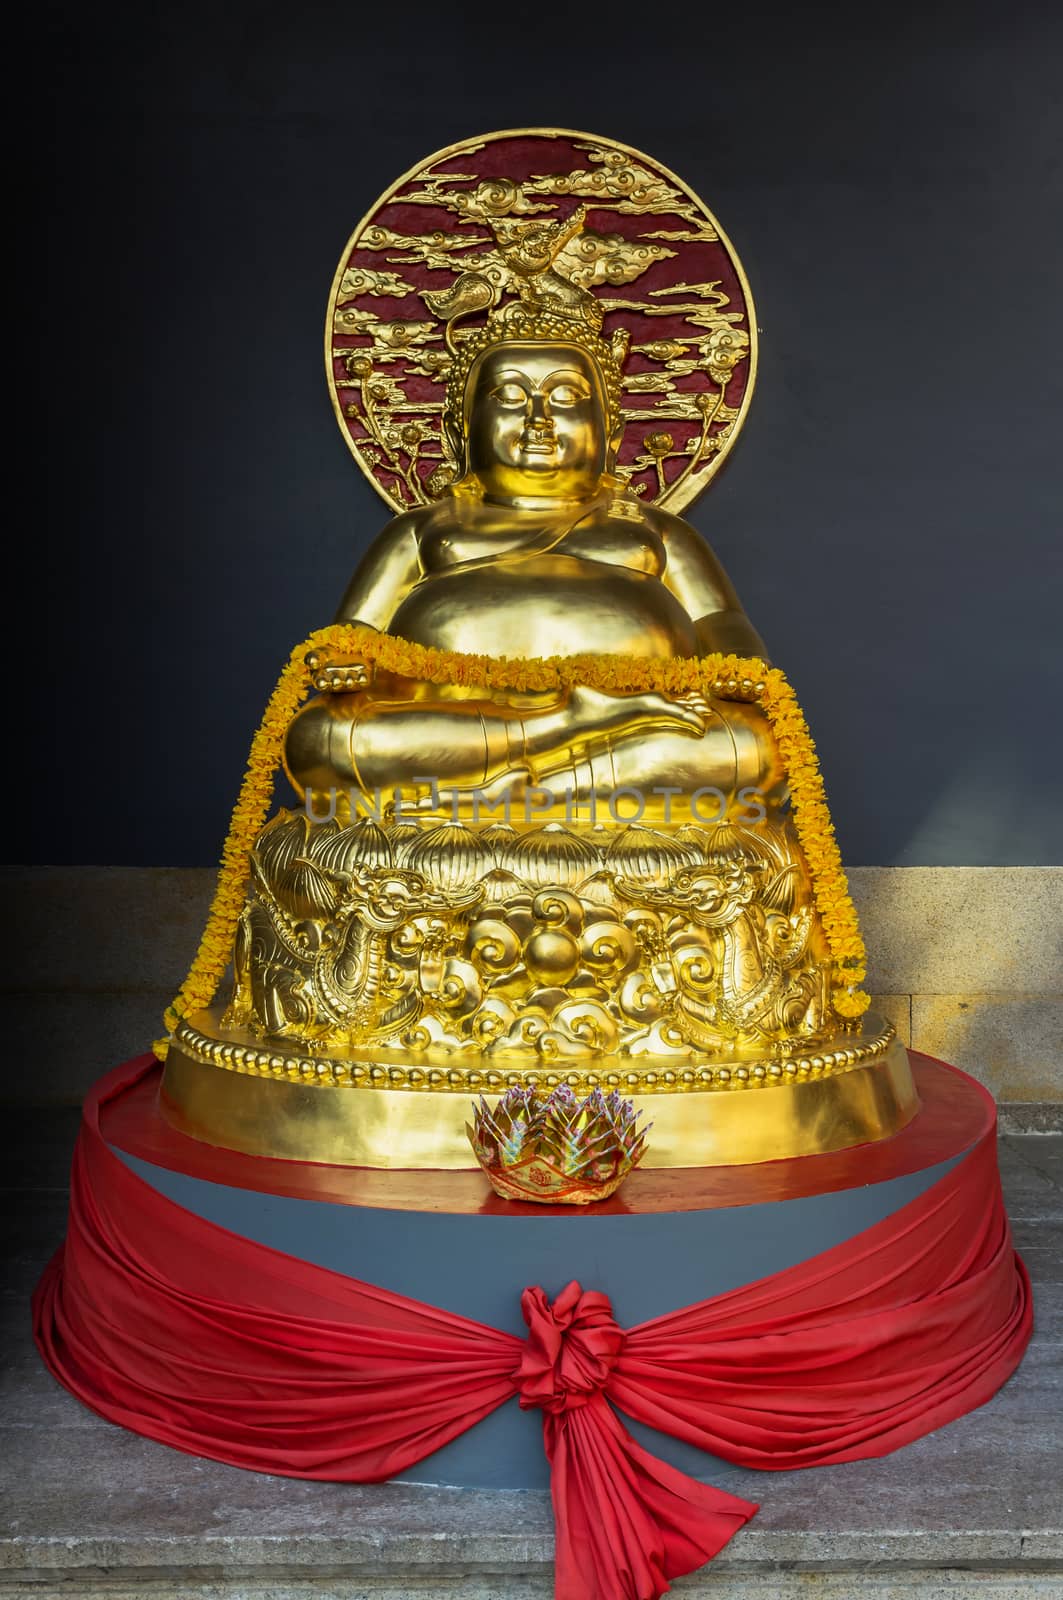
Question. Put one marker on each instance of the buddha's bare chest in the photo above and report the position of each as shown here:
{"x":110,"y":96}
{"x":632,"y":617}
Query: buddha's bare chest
{"x":485,"y":538}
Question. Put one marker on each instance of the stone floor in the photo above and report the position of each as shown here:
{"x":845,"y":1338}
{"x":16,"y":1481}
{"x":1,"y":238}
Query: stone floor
{"x":973,"y":1512}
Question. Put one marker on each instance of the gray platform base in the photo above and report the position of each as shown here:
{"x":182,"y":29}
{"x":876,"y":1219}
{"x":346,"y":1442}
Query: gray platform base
{"x":477,"y":1266}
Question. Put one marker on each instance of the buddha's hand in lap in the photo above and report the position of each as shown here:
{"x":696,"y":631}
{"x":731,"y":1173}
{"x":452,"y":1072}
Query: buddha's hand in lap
{"x":339,"y":674}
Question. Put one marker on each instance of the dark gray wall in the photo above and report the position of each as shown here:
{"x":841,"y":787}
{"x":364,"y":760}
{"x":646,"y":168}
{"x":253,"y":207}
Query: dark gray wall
{"x":891,"y":516}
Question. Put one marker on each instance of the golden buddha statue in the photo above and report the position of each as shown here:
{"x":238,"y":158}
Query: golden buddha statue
{"x":546,"y":832}
{"x":539,"y":550}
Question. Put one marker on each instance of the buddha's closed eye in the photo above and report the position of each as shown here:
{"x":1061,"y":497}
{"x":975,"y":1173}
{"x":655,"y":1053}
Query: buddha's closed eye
{"x":511,"y":394}
{"x":568,"y":394}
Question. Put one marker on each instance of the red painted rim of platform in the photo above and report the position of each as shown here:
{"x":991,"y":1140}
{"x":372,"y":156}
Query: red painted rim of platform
{"x":955,"y":1112}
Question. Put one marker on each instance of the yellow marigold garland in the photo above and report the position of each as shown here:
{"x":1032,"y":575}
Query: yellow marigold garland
{"x":249,"y":816}
{"x":727,"y":676}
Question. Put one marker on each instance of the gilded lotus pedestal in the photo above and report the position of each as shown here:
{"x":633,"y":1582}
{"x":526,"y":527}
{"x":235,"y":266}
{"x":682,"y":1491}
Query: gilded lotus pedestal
{"x":386,"y":975}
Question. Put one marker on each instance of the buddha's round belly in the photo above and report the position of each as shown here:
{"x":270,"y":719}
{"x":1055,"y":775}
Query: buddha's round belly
{"x":552,"y":605}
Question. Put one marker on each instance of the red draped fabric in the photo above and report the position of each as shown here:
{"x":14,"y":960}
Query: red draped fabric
{"x":189,"y":1334}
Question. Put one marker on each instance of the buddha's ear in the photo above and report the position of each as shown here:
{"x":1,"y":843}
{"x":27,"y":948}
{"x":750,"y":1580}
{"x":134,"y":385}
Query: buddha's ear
{"x":454,"y":444}
{"x":620,"y":342}
{"x":612,"y":449}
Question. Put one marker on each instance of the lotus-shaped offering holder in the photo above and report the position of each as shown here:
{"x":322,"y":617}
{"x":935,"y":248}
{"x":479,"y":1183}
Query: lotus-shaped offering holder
{"x":557,"y":1148}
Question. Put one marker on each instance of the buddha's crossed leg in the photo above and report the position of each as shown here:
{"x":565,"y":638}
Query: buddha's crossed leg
{"x":586,"y":742}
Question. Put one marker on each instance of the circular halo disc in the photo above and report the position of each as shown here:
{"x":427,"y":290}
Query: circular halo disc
{"x":650,"y":250}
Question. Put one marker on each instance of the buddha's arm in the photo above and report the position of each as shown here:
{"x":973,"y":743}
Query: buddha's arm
{"x":701,"y":586}
{"x":385,"y":575}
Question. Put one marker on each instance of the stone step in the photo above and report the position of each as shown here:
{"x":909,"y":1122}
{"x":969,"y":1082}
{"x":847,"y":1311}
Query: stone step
{"x":917,"y":1583}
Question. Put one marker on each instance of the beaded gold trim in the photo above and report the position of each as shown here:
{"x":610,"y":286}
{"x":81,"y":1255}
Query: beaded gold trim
{"x":262,"y":1061}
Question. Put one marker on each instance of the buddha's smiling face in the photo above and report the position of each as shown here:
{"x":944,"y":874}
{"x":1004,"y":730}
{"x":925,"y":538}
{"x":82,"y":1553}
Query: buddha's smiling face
{"x":536,"y":422}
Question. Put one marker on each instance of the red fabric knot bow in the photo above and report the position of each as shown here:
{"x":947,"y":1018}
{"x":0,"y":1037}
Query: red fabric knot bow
{"x":572,"y":1347}
{"x":626,"y":1523}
